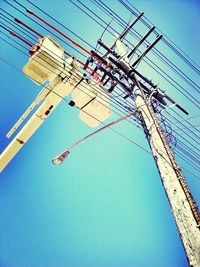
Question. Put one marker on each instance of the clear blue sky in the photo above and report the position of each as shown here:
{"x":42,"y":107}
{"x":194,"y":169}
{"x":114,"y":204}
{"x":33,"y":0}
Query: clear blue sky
{"x":105,"y":206}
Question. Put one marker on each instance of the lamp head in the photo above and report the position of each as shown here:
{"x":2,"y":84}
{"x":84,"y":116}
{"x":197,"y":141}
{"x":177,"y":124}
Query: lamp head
{"x":60,"y":158}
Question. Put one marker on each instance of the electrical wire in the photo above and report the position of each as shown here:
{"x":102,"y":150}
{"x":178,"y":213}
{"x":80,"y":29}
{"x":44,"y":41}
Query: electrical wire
{"x":7,"y":20}
{"x":67,"y":101}
{"x":180,"y":146}
{"x":119,"y":18}
{"x":167,"y":40}
{"x":196,"y":140}
{"x":39,"y":24}
{"x":122,"y":135}
{"x":187,"y":122}
{"x":191,"y":98}
{"x":189,"y":145}
{"x":58,"y":22}
{"x":184,"y":94}
{"x":115,"y":101}
{"x":80,"y":88}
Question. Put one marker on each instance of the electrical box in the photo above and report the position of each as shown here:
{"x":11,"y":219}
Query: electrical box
{"x":93,"y":102}
{"x":46,"y":62}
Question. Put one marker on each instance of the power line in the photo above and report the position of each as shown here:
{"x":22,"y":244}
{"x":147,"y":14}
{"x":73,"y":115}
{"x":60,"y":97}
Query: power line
{"x":24,"y":53}
{"x":196,"y":140}
{"x":61,"y":24}
{"x":7,"y":20}
{"x":67,"y":101}
{"x":158,"y":53}
{"x":174,"y":84}
{"x":166,"y":39}
{"x":188,"y":143}
{"x":122,"y":135}
{"x":187,"y":121}
{"x":97,"y":90}
{"x":115,"y":104}
{"x":39,"y":24}
{"x":112,"y":97}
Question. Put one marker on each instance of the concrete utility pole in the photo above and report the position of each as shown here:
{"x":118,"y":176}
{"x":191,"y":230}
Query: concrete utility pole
{"x":183,"y":206}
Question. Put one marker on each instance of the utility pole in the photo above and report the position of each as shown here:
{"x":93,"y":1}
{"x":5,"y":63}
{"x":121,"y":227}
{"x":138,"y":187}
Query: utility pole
{"x":182,"y":204}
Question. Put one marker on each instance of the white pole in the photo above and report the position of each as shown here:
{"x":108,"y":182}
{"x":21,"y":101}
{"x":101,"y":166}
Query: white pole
{"x":183,"y":207}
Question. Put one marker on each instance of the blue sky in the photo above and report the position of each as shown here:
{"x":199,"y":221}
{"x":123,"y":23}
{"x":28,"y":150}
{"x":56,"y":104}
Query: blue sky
{"x":105,"y":206}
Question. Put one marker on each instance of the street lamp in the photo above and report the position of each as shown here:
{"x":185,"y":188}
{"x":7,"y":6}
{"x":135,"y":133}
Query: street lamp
{"x":61,"y":157}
